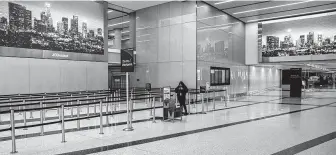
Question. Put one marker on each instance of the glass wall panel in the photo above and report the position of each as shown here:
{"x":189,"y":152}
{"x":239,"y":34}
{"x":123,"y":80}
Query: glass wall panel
{"x":220,"y":43}
{"x":166,"y":45}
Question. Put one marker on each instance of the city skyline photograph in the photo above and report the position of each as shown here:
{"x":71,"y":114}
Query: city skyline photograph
{"x":94,"y":18}
{"x":307,"y":35}
{"x":58,"y":26}
{"x":324,"y":25}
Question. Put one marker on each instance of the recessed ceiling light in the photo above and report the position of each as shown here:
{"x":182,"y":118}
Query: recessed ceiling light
{"x":224,"y":2}
{"x":272,"y":7}
{"x":119,"y":23}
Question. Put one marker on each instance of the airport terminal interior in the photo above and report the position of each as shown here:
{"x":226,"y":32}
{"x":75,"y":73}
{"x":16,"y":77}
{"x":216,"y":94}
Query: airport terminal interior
{"x":175,"y":77}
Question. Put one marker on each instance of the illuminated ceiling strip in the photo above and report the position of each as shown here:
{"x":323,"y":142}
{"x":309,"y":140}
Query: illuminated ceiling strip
{"x":272,"y":7}
{"x":125,"y":39}
{"x":143,"y":41}
{"x":205,"y":29}
{"x":224,"y":2}
{"x":109,"y":11}
{"x":112,"y":34}
{"x":211,"y":17}
{"x":214,"y":26}
{"x":143,"y":35}
{"x":291,"y":15}
{"x":119,"y":23}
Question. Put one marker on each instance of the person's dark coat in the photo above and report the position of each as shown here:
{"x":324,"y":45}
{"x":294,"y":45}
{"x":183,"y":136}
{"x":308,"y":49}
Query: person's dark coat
{"x":181,"y":90}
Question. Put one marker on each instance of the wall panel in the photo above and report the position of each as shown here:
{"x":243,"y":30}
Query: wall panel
{"x":45,"y":75}
{"x":14,"y":75}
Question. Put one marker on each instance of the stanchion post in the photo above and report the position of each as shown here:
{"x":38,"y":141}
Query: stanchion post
{"x":24,"y":116}
{"x":129,"y":111}
{"x":189,"y":103}
{"x":78,"y":115}
{"x":42,"y":118}
{"x":114,"y":99}
{"x":213,"y":101}
{"x":202,"y":96}
{"x":151,"y":104}
{"x":12,"y":119}
{"x":107,"y":110}
{"x":71,"y":106}
{"x":58,"y":109}
{"x":88,"y":106}
{"x":195,"y":102}
{"x":225,"y":98}
{"x":95,"y":106}
{"x":101,"y":116}
{"x":111,"y":103}
{"x":154,"y":110}
{"x":63,"y":128}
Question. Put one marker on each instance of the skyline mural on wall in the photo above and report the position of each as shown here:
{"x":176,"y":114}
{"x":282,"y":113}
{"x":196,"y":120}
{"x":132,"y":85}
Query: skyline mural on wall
{"x":55,"y":26}
{"x":299,"y":36}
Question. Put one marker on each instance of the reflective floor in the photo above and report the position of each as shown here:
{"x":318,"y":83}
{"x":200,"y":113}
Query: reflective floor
{"x":254,"y":125}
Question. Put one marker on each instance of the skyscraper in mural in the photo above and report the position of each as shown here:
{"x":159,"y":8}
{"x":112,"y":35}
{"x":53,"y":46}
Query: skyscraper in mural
{"x":3,"y":23}
{"x":84,"y":29}
{"x":91,"y":33}
{"x":100,"y":31}
{"x":65,"y":24}
{"x":28,"y":20}
{"x":319,"y":39}
{"x":272,"y":42}
{"x":74,"y":26}
{"x":16,"y":16}
{"x":302,"y":40}
{"x":310,"y":38}
{"x":60,"y":27}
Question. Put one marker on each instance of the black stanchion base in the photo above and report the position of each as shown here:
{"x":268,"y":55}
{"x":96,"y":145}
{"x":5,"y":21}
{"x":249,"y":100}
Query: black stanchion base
{"x":13,"y":152}
{"x":63,"y":141}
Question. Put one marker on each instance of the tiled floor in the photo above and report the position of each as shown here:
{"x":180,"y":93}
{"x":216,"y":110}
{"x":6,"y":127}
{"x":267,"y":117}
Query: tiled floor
{"x":261,"y":124}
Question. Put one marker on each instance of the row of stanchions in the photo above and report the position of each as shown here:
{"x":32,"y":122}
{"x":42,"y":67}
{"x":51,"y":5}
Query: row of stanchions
{"x":129,"y":110}
{"x":62,"y":120}
{"x":192,"y":98}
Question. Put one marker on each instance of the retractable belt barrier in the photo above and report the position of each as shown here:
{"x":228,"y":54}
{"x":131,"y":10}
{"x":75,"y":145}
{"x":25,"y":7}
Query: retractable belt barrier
{"x":113,"y":97}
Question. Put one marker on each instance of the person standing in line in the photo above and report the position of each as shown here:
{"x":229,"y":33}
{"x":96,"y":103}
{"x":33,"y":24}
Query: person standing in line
{"x":181,"y":90}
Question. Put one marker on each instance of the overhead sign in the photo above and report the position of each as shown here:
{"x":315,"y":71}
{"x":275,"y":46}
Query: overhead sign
{"x":127,"y":60}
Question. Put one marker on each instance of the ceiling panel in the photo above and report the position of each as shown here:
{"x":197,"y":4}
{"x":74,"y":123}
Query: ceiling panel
{"x":331,"y":7}
{"x":257,"y":6}
{"x":230,"y":5}
{"x":274,"y":9}
{"x":305,"y":6}
{"x":137,"y":5}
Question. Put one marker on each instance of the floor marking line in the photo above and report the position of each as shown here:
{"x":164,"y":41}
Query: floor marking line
{"x":307,"y":144}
